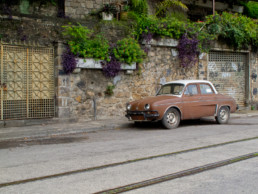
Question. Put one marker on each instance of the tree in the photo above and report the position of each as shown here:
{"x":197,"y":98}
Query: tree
{"x":164,"y":5}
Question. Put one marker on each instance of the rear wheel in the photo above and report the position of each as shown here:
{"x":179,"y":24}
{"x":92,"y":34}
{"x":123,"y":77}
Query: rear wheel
{"x":223,"y":115}
{"x":171,"y":119}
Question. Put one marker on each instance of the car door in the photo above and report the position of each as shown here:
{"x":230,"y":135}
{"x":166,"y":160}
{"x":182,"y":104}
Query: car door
{"x":208,"y":99}
{"x":191,"y":100}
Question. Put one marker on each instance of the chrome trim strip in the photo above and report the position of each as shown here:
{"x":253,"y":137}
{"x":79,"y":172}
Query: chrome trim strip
{"x":167,"y":104}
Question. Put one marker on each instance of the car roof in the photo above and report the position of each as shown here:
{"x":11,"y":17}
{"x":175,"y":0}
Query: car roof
{"x":185,"y":82}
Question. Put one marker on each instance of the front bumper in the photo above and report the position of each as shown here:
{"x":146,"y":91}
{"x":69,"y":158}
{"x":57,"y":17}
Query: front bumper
{"x":142,"y":115}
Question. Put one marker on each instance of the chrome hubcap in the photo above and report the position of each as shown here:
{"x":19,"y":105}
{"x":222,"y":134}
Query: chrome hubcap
{"x":223,"y":115}
{"x":171,"y":118}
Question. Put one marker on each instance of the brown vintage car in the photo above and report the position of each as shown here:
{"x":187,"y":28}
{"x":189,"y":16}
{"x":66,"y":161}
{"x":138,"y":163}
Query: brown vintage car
{"x":181,"y":100}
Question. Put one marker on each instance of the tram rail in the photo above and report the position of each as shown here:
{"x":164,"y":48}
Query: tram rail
{"x":155,"y":180}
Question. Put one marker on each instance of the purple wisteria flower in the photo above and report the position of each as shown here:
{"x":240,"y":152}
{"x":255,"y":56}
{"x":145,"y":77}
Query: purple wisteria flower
{"x":69,"y":61}
{"x":111,"y":68}
{"x":188,"y":51}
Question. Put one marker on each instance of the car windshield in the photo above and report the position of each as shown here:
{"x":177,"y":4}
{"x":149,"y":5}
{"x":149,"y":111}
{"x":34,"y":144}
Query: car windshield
{"x":171,"y":89}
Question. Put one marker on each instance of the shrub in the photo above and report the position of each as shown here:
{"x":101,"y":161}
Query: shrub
{"x":237,"y":30}
{"x":140,"y":6}
{"x":251,"y":9}
{"x":84,"y":44}
{"x":77,"y":33}
{"x":164,"y":5}
{"x":128,"y":51}
{"x":164,"y":27}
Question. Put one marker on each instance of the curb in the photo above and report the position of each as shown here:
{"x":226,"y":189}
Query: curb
{"x":33,"y":122}
{"x":241,"y":115}
{"x":47,"y":134}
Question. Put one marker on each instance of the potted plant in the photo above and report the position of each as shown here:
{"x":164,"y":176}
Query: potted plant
{"x":124,"y":12}
{"x":108,"y":11}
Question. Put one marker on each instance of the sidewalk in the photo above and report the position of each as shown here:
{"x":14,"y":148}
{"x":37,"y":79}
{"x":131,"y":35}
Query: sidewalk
{"x":41,"y":131}
{"x":244,"y":113}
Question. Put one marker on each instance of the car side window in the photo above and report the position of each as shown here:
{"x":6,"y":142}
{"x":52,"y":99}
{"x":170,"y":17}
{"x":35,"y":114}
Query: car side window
{"x":177,"y":90}
{"x":191,"y":90}
{"x":206,"y":89}
{"x":166,"y":90}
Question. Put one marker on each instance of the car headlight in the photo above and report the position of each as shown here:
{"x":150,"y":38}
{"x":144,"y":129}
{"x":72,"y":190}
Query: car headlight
{"x":147,"y":107}
{"x":128,"y":107}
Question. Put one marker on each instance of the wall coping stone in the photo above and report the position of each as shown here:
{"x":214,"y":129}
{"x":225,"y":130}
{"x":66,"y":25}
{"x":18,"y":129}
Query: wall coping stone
{"x":168,"y":42}
{"x":96,"y":64}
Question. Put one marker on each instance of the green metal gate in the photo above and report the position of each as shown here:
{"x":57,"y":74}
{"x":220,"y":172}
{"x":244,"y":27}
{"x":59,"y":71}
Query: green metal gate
{"x":26,"y":82}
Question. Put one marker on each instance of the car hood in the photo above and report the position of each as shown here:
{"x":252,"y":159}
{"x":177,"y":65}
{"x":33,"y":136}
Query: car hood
{"x":156,"y":100}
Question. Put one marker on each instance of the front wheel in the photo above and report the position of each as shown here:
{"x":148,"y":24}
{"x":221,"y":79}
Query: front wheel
{"x":223,"y":115}
{"x":171,"y":119}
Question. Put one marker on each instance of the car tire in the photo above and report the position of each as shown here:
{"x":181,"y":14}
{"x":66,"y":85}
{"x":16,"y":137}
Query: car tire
{"x":171,"y":119}
{"x":223,"y":115}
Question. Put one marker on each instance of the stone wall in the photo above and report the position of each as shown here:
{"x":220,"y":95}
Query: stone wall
{"x":82,"y":94}
{"x":18,"y":29}
{"x":26,"y":7}
{"x":80,"y":8}
{"x":46,"y":30}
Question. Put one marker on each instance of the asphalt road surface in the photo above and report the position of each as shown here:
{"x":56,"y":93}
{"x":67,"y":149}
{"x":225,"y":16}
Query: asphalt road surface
{"x":198,"y":157}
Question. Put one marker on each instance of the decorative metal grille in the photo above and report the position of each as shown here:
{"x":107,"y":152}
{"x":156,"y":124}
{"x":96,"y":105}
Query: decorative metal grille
{"x":27,"y":82}
{"x":227,"y":56}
